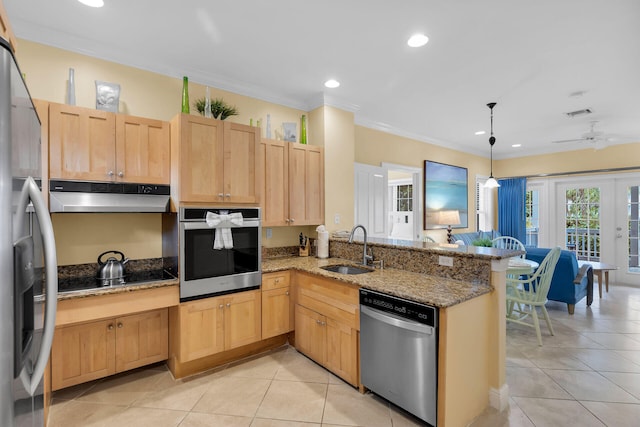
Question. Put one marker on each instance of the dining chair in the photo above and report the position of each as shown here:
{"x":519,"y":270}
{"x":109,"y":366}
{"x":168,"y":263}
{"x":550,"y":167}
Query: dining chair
{"x":507,"y":242}
{"x":526,"y":294}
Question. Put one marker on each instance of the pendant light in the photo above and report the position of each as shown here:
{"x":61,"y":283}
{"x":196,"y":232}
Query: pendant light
{"x":491,"y":182}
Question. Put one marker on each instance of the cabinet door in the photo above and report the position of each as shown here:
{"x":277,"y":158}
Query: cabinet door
{"x":83,"y":353}
{"x":276,"y":312}
{"x":201,"y":152}
{"x":81,"y":143}
{"x":142,"y":150}
{"x":311,"y":334}
{"x":201,"y":328}
{"x":141,"y":339}
{"x":241,"y":145}
{"x":242,"y":319}
{"x":275,"y":184}
{"x":342,"y":351}
{"x":306,"y":184}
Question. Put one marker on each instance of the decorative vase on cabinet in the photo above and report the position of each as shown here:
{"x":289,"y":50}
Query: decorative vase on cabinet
{"x":185,"y":95}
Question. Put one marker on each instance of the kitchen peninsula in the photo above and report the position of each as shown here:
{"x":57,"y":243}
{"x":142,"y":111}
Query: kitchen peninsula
{"x":470,"y":293}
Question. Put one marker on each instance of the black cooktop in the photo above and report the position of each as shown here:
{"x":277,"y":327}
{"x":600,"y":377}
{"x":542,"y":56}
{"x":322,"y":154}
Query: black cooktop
{"x":131,"y":278}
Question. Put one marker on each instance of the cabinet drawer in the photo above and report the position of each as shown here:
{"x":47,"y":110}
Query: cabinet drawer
{"x":277,"y":280}
{"x":330,"y":298}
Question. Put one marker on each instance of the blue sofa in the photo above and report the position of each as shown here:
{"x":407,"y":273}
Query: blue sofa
{"x":569,"y":283}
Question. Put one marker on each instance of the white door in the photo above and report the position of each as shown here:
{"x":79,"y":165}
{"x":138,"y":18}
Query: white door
{"x":370,"y":185}
{"x":626,"y":233}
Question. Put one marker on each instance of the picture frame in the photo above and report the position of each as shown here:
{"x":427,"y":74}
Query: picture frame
{"x":289,"y":131}
{"x":107,"y":96}
{"x":445,"y":190}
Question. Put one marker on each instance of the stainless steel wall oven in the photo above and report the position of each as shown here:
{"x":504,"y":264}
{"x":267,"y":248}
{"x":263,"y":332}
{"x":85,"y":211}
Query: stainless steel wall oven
{"x":220,"y":251}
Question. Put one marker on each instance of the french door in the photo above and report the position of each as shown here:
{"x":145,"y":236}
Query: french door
{"x":627,"y":231}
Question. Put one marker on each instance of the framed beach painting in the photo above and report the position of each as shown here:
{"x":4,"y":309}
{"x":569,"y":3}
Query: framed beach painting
{"x":445,"y":191}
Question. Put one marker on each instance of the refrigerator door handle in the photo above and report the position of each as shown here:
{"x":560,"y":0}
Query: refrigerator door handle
{"x":30,"y":191}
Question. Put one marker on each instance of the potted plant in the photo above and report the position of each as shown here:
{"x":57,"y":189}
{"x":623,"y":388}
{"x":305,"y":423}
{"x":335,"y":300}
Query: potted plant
{"x":486,"y":242}
{"x":219,"y":108}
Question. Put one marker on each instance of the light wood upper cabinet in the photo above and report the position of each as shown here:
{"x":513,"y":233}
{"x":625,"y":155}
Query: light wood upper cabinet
{"x":240,"y":160}
{"x":5,"y":28}
{"x":213,"y":161}
{"x":82,"y":143}
{"x":293,"y":184}
{"x":95,"y":145}
{"x":212,"y":325}
{"x":91,"y":350}
{"x":142,"y":150}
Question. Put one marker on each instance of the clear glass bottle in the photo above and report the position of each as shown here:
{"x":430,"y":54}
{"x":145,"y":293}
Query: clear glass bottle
{"x":71,"y":89}
{"x":185,"y":95}
{"x":207,"y":104}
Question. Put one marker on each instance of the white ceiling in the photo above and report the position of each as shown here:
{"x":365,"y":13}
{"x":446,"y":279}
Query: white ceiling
{"x":528,"y":56}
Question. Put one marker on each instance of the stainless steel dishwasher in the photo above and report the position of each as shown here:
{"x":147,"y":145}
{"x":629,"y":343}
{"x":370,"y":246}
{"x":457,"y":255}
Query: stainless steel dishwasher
{"x":399,"y":352}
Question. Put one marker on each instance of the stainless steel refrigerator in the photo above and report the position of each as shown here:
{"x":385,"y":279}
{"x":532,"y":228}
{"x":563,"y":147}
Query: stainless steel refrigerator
{"x":28,"y":265}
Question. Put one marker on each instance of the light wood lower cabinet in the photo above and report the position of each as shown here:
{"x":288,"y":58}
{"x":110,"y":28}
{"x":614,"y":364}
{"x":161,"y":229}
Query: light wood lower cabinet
{"x":212,"y":325}
{"x":327,"y":321}
{"x":277,"y":309}
{"x":88,"y":351}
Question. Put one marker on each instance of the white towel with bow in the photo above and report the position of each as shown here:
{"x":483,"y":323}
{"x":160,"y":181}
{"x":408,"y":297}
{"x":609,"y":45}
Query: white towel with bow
{"x":223,"y":237}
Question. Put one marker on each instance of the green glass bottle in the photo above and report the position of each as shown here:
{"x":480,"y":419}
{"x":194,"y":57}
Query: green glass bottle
{"x":185,"y":95}
{"x":303,"y":129}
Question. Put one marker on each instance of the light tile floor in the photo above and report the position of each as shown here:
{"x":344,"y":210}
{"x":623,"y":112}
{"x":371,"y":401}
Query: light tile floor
{"x":588,"y":374}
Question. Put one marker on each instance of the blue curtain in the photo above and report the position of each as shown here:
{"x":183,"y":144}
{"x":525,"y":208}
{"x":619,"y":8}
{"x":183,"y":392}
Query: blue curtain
{"x":511,"y":207}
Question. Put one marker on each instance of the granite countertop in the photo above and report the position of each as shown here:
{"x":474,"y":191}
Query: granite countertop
{"x":117,"y":289}
{"x":426,"y":289}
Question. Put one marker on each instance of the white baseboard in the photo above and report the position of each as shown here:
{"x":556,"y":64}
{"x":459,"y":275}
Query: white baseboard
{"x":499,"y":398}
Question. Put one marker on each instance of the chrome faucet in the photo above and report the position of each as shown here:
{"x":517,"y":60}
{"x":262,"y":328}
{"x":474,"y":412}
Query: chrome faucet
{"x":365,"y":257}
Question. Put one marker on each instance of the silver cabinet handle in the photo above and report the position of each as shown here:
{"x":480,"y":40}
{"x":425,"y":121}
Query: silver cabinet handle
{"x":220,"y":195}
{"x":292,"y":220}
{"x":228,"y":304}
{"x":287,"y":220}
{"x":110,"y":173}
{"x":119,"y":325}
{"x":221,"y":306}
{"x":31,"y":191}
{"x":120,"y":174}
{"x":228,"y":195}
{"x":286,"y":293}
{"x":110,"y":327}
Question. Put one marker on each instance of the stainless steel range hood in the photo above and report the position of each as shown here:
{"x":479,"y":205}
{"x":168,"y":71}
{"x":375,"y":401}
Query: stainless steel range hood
{"x":84,"y":196}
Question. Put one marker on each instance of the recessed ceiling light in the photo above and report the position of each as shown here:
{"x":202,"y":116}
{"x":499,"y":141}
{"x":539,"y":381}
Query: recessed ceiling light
{"x":480,"y":132}
{"x":516,"y":145}
{"x":92,"y":3}
{"x":417,"y":40}
{"x":332,"y":84}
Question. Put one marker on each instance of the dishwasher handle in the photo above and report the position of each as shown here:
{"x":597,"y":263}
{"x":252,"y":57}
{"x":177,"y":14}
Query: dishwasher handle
{"x":394,"y":320}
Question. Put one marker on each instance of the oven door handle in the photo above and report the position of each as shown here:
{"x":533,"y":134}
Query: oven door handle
{"x":203,"y":225}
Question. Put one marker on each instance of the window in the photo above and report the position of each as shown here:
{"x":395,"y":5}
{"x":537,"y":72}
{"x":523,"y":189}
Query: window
{"x":582,"y":219}
{"x":532,"y":213}
{"x":404,"y":198}
{"x":484,"y":206}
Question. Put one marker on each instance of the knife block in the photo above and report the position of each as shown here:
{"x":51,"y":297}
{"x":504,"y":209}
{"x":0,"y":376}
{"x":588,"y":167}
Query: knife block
{"x":304,"y":250}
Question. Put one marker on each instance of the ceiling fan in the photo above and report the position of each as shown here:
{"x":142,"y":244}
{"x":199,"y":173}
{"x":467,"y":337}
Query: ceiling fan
{"x":595,"y":137}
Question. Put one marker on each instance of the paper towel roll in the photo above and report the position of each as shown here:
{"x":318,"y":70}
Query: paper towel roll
{"x":323,"y":242}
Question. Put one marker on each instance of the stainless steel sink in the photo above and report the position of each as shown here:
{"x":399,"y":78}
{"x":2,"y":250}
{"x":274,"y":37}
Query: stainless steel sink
{"x":347,"y":269}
